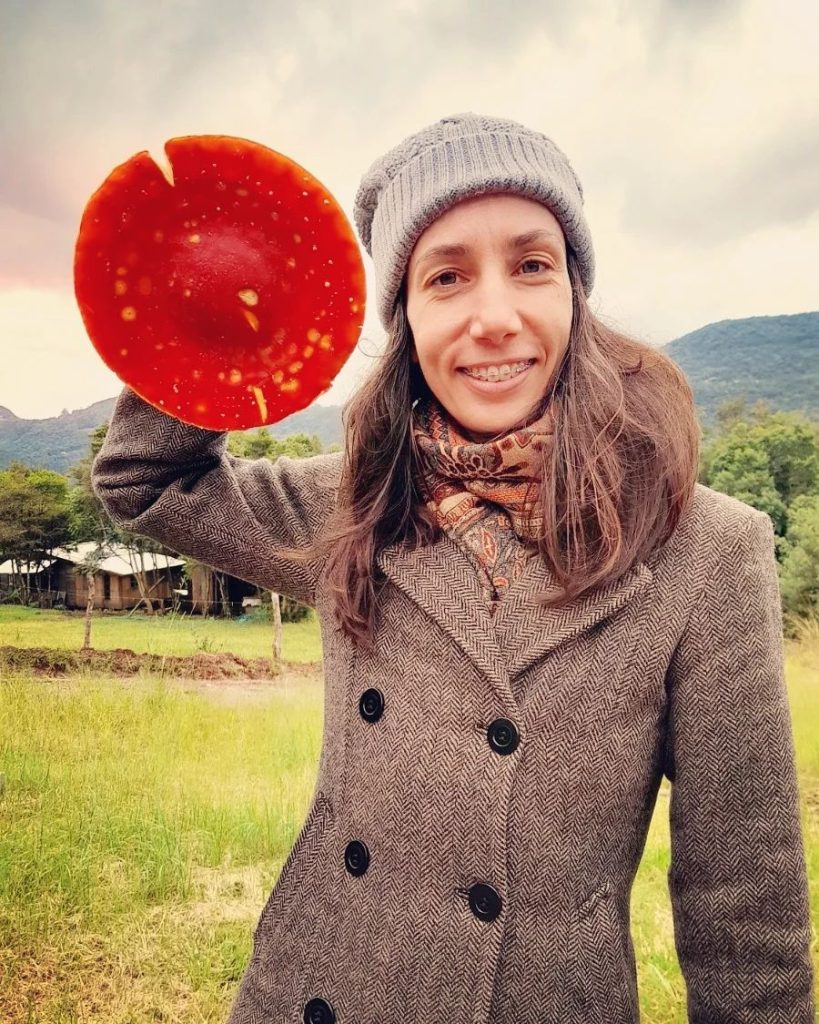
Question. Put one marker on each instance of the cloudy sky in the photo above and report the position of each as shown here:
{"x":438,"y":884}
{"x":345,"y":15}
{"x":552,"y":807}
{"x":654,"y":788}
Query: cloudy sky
{"x":693,"y":125}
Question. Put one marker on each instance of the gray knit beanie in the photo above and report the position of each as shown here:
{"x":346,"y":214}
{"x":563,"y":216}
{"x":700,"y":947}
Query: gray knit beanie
{"x":409,"y":187}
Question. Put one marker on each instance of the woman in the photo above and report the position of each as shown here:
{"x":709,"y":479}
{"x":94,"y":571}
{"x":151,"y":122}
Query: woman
{"x":530,"y":612}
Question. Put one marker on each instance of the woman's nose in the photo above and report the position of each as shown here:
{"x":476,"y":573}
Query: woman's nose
{"x":495,"y":315}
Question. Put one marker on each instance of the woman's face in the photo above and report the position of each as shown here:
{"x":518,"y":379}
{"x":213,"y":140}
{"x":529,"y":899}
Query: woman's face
{"x":489,"y":303}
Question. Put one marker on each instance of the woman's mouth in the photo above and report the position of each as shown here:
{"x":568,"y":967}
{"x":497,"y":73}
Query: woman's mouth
{"x":499,"y":373}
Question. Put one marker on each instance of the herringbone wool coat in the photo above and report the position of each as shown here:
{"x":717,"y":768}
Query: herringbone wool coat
{"x":484,"y":788}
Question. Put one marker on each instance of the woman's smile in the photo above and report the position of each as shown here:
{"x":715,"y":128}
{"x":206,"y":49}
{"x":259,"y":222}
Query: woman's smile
{"x":496,"y":378}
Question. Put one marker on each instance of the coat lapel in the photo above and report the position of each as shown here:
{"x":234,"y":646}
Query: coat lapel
{"x":441,"y":579}
{"x":526,"y":631}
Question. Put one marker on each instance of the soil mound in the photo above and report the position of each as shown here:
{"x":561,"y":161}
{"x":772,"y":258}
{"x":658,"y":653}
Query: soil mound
{"x":51,"y":662}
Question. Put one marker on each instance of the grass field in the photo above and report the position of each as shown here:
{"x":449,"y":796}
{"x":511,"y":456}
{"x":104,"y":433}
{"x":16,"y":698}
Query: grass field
{"x":142,"y":827}
{"x":249,"y":637}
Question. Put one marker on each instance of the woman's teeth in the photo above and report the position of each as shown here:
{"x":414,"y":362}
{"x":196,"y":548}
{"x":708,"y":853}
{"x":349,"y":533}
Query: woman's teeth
{"x":502,"y":372}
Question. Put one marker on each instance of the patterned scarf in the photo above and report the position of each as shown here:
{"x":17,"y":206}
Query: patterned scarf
{"x":484,"y":494}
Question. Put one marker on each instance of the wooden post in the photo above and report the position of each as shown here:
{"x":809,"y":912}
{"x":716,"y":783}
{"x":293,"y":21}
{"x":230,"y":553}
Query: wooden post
{"x":277,"y":632}
{"x":90,"y":581}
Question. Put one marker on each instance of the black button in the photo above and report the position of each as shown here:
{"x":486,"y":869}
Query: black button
{"x":318,"y":1011}
{"x":503,"y":736}
{"x":484,"y":902}
{"x":371,"y":705}
{"x":356,"y":857}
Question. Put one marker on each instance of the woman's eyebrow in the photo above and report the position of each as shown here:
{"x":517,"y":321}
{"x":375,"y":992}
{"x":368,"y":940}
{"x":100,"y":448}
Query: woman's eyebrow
{"x":516,"y":242}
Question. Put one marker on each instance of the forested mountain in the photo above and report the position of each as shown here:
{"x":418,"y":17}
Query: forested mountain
{"x":770,"y":358}
{"x":765,"y":358}
{"x":60,"y":441}
{"x":54,"y":443}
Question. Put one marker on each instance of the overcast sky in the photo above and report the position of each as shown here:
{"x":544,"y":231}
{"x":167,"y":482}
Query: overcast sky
{"x":693,"y":125}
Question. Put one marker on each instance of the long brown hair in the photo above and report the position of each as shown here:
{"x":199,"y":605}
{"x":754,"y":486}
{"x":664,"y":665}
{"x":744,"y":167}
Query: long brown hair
{"x":614,"y":483}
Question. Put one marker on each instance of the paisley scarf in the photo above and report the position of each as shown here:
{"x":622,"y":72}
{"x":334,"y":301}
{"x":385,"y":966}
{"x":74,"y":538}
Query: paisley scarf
{"x":485,"y":495}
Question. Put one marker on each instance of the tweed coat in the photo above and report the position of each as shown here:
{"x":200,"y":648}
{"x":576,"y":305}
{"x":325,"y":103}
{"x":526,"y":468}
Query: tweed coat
{"x":484,"y":788}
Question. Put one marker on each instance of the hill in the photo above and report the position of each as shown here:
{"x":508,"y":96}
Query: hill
{"x":60,"y":441}
{"x":765,"y":358}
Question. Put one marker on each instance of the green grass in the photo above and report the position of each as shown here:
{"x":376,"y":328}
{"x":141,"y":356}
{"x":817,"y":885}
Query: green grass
{"x":249,"y":637}
{"x":142,"y":827}
{"x":140,"y":831}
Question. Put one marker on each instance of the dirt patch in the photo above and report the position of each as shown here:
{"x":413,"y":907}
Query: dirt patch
{"x":227,"y":692}
{"x":227,"y":894}
{"x":122,"y":662}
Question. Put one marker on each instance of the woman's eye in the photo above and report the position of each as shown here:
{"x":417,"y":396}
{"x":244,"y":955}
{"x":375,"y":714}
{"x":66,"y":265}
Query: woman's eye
{"x":445,"y":273}
{"x":537,"y":263}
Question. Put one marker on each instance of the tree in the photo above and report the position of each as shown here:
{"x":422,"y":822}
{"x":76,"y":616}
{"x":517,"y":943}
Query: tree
{"x":767,"y":463}
{"x":730,"y":412}
{"x":33,"y":517}
{"x":260,"y":443}
{"x":89,"y":567}
{"x":799,"y":574}
{"x":790,"y":444}
{"x":255,"y":444}
{"x":740,"y":468}
{"x":300,"y":446}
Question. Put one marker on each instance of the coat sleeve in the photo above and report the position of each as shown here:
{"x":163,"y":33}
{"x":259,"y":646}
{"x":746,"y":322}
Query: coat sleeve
{"x":177,"y":484}
{"x":737,"y":878}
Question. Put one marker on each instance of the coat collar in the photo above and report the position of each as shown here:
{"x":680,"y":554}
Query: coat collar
{"x":441,"y":579}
